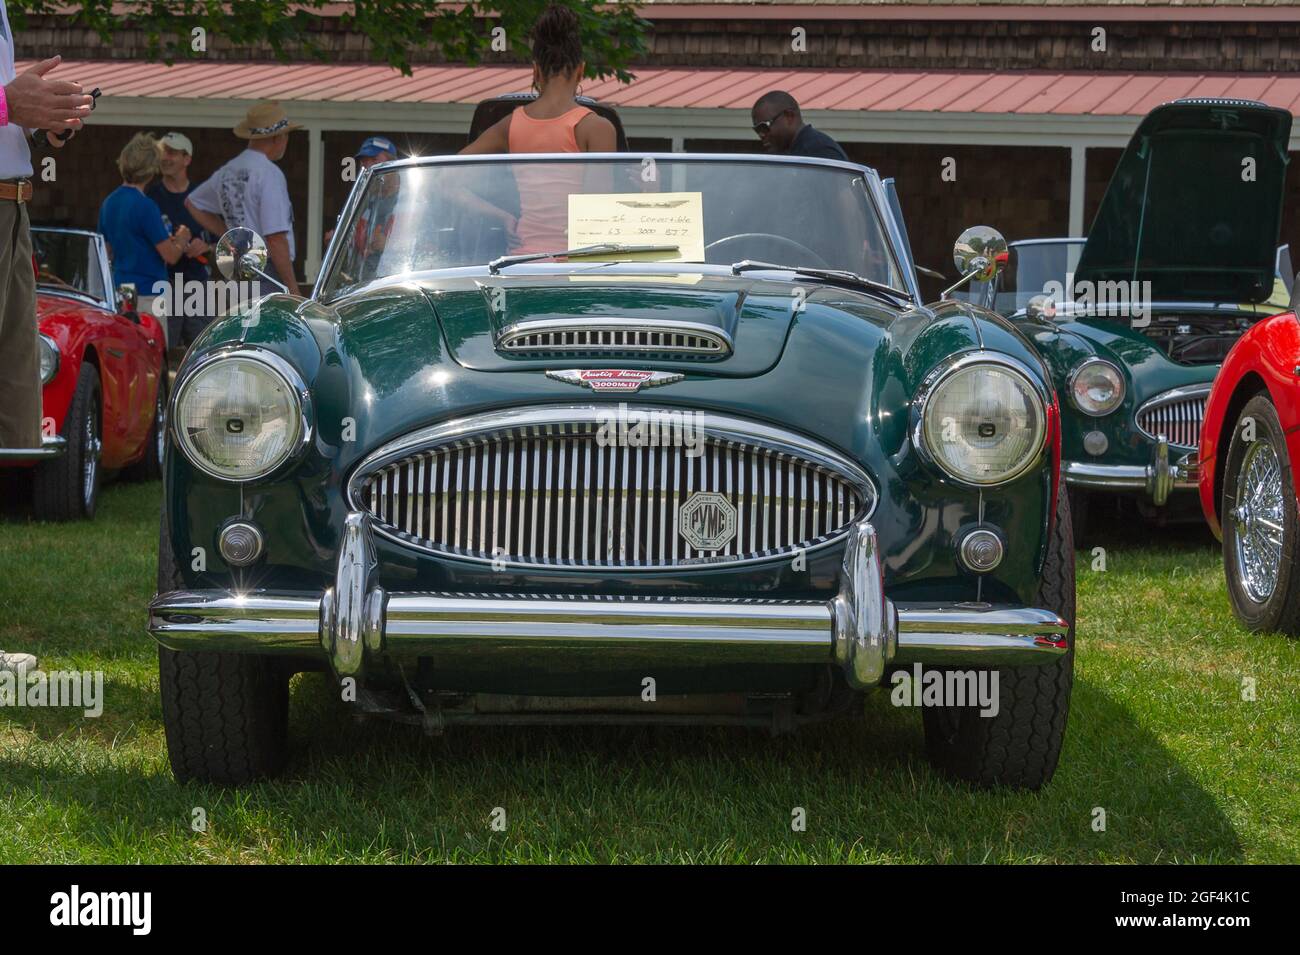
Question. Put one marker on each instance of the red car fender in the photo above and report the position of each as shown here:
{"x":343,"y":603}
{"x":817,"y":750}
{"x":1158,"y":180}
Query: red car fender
{"x":1267,"y":354}
{"x":78,"y":329}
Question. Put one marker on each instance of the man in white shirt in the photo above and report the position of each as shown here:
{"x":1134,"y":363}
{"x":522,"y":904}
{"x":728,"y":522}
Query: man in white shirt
{"x":251,"y":190}
{"x":27,"y":102}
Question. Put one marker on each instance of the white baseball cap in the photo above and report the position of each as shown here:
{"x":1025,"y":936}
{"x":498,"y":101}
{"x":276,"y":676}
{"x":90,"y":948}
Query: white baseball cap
{"x":178,"y":141}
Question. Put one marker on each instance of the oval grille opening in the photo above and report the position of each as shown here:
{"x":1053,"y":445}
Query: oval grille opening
{"x":1178,"y":420}
{"x":560,"y":495}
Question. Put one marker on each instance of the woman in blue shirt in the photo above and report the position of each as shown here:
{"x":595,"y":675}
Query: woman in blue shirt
{"x":138,"y":241}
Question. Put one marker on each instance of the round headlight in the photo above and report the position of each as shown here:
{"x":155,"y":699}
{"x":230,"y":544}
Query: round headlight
{"x":1096,"y":387}
{"x":49,"y":358}
{"x":983,"y":423}
{"x":238,"y":417}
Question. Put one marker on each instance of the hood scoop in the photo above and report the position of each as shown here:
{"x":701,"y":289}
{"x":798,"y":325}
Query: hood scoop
{"x":614,"y":337}
{"x":710,"y":324}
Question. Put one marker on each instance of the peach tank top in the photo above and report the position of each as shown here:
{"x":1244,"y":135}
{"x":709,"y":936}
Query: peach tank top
{"x":544,"y":190}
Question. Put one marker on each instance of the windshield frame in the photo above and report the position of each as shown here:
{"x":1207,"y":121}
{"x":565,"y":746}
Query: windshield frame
{"x":889,"y":228}
{"x":105,"y":270}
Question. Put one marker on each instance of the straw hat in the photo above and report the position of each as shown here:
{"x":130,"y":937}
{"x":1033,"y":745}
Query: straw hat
{"x":264,"y":120}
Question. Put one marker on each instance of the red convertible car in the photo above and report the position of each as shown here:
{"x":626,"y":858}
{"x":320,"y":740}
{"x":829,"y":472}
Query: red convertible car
{"x":102,"y":370}
{"x":1250,"y":447}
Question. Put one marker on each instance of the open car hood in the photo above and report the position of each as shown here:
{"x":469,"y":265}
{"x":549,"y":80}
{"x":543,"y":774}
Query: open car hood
{"x":1187,"y":212}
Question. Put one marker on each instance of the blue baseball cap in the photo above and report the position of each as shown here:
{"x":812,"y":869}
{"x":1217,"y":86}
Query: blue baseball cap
{"x":376,"y":145}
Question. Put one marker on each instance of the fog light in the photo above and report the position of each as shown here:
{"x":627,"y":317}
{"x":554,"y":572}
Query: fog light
{"x":240,"y":543}
{"x":1094,"y":442}
{"x":981,"y":551}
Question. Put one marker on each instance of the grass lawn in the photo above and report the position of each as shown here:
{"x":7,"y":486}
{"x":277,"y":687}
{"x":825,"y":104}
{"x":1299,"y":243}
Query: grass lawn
{"x":1159,"y":737}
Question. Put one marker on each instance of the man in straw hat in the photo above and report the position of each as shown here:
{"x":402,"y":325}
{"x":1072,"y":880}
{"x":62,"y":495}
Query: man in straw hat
{"x":251,"y":190}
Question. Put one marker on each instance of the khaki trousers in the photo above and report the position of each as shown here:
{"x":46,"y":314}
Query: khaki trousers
{"x":20,"y":367}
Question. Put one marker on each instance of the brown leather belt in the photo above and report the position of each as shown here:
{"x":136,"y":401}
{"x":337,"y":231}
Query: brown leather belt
{"x":20,"y":191}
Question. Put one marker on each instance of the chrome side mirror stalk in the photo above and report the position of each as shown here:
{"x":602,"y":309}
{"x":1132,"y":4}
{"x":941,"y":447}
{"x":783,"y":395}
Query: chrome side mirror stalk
{"x":979,"y":254}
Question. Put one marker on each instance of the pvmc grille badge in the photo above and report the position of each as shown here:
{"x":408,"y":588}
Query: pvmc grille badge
{"x":707,"y":521}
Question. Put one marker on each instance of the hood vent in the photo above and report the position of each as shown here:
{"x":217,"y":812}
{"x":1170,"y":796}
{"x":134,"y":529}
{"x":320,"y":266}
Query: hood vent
{"x":607,"y":337}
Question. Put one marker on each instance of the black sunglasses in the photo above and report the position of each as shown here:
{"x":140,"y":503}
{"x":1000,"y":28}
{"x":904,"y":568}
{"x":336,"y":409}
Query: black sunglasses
{"x":765,"y":125}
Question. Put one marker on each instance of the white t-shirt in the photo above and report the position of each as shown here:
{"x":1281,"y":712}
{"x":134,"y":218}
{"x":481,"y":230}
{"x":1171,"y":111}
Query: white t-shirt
{"x":249,"y":191}
{"x":15,"y":153}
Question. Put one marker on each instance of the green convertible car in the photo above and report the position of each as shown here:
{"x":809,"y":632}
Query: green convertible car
{"x":616,"y":438}
{"x":1135,"y":321}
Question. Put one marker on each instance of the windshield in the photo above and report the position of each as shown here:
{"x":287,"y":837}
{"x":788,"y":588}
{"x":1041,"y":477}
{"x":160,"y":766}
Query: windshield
{"x":419,"y":217}
{"x":68,"y":262}
{"x":1033,"y":268}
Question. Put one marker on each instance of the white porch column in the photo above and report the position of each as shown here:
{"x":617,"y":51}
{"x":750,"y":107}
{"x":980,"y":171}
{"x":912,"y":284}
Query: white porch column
{"x":1078,"y":163}
{"x":315,"y":200}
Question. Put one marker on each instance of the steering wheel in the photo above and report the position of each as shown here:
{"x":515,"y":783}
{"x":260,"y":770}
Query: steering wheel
{"x":802,"y":254}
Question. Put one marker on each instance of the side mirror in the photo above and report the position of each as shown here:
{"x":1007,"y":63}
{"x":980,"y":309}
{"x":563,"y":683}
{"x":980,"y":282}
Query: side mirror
{"x":979,"y":254}
{"x":1295,"y":293}
{"x":128,"y":299}
{"x":241,"y":254}
{"x":1040,"y":308}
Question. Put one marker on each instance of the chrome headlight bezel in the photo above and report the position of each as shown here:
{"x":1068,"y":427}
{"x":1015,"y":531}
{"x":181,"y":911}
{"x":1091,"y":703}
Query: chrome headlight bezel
{"x":280,"y":368}
{"x":1035,"y":388}
{"x":1121,"y":392}
{"x":48,"y":346}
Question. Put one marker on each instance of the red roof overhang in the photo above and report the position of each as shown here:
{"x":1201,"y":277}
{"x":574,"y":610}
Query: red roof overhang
{"x":967,"y":92}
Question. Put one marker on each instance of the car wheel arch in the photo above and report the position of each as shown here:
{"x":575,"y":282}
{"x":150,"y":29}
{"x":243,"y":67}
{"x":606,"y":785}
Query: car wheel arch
{"x":1248,"y":386}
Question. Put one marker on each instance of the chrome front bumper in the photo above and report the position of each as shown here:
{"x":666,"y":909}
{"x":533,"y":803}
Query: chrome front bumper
{"x":1156,"y":479}
{"x":51,"y":447}
{"x":860,"y":629}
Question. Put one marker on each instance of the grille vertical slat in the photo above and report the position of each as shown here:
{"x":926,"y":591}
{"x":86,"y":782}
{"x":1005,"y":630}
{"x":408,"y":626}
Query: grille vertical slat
{"x":1179,"y":419}
{"x":547,"y":496}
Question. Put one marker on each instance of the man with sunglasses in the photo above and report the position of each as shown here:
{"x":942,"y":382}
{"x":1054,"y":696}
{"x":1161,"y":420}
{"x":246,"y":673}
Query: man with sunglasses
{"x":781,"y":129}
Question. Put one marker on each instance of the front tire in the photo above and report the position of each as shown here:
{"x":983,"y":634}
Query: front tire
{"x":1080,"y":502}
{"x":1020,"y":745}
{"x":67,"y":488}
{"x":226,"y":715}
{"x":1261,"y":536}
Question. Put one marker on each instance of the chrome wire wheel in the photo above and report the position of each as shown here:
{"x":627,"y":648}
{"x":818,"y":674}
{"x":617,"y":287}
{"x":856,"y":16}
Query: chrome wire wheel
{"x":1258,"y":521}
{"x":90,"y":444}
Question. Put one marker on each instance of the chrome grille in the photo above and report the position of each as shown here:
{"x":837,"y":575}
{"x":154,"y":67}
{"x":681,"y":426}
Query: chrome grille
{"x":554,"y":495}
{"x":615,"y":338}
{"x":1178,"y":416}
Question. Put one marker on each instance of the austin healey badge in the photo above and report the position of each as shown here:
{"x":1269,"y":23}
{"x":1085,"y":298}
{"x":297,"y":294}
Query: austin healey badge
{"x":625,"y":380}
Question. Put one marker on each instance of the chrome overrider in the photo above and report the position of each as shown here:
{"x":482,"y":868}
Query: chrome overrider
{"x":1156,"y":479}
{"x":355,"y":622}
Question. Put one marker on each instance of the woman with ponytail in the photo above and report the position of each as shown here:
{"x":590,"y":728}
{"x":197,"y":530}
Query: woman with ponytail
{"x":552,"y":123}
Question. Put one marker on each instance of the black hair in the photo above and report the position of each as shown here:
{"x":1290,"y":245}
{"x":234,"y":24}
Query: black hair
{"x":557,"y":41}
{"x":780,"y":99}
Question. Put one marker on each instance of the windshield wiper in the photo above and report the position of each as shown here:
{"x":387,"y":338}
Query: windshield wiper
{"x":841,"y":275}
{"x":604,"y":248}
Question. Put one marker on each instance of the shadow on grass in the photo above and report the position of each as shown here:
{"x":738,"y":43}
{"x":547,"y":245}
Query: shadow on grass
{"x":1114,"y":521}
{"x":380,"y":791}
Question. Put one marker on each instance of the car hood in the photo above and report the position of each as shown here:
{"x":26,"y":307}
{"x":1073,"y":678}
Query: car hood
{"x":753,"y":316}
{"x":1195,"y":204}
{"x":386,"y":362}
